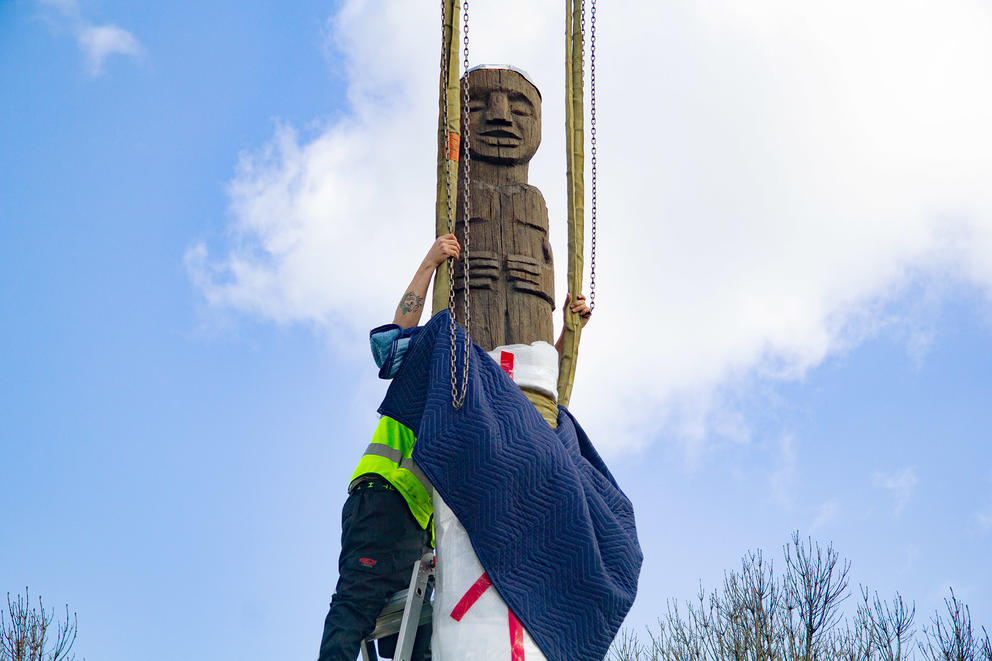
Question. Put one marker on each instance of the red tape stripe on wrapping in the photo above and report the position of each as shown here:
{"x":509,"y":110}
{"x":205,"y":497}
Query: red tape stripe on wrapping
{"x":470,"y":597}
{"x":516,"y":637}
{"x":506,"y":362}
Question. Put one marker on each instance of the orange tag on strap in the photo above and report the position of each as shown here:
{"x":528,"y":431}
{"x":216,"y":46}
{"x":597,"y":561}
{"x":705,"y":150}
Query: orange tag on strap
{"x":454,"y":145}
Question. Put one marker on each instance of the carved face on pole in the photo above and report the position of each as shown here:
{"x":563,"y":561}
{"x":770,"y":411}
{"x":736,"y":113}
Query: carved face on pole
{"x":504,"y":117}
{"x":512,"y":270}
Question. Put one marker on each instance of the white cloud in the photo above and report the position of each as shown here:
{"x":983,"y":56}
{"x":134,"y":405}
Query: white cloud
{"x":773,"y":175}
{"x":783,"y":479}
{"x":911,"y":556}
{"x":826,"y":514}
{"x":984,"y":520}
{"x":66,"y":7}
{"x":983,"y":517}
{"x":900,"y":486}
{"x":97,"y":42}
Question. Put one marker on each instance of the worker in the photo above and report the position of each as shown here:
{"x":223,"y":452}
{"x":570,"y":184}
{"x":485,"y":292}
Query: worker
{"x":385,"y":522}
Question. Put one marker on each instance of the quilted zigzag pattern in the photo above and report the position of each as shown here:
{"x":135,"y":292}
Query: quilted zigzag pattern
{"x":545,"y":516}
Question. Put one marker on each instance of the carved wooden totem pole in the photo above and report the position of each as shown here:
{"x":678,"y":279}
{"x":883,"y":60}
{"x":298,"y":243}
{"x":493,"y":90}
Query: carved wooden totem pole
{"x":511,"y":272}
{"x":492,"y":128}
{"x":511,"y":292}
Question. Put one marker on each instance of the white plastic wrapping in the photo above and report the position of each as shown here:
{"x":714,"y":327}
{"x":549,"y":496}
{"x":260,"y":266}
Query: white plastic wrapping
{"x":483,"y":634}
{"x":535,"y":366}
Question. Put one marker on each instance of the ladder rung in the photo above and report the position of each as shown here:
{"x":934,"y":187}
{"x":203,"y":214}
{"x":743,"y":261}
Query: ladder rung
{"x":389,"y":623}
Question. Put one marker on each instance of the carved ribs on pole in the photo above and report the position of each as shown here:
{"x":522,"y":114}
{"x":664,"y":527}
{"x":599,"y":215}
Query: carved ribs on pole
{"x":512,"y":269}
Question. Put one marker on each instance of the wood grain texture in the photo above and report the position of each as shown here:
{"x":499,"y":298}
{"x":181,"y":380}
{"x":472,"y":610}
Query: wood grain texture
{"x":511,"y":268}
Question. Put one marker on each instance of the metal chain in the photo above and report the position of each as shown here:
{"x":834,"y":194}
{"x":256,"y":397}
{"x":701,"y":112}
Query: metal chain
{"x":447,"y":183}
{"x":447,"y":154}
{"x":467,"y":137}
{"x":592,"y":137}
{"x":458,"y":394}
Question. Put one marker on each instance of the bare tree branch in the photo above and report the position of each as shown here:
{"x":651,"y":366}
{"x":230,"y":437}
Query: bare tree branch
{"x":757,"y":616}
{"x":951,"y":639}
{"x":815,"y":586}
{"x":24,"y":632}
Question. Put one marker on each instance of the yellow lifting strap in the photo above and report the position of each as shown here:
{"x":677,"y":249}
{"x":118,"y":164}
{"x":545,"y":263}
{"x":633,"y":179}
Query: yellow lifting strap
{"x":575,"y":185}
{"x":448,"y":143}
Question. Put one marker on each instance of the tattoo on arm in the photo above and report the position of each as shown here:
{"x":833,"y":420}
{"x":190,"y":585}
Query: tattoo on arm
{"x":411,"y":303}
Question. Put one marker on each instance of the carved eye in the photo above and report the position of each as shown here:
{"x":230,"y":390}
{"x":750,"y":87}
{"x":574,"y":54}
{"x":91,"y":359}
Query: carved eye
{"x":521,"y":106}
{"x":476,"y":107}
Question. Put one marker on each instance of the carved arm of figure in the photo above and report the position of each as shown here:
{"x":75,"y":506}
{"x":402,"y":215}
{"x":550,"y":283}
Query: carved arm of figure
{"x":411,"y":305}
{"x":580,"y":308}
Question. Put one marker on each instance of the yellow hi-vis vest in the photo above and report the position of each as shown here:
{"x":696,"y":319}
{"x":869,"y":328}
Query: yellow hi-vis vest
{"x":389,"y":455}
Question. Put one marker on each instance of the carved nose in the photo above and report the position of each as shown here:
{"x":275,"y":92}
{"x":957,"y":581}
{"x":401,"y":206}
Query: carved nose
{"x":499,"y":108}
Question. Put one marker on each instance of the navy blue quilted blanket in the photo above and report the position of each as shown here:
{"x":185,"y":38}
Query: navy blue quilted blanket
{"x":545,"y":516}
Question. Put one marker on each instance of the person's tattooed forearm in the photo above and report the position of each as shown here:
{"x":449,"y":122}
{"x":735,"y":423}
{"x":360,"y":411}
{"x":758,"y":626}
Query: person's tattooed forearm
{"x":411,"y":303}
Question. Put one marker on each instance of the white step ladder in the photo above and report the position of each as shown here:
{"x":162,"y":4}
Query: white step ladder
{"x":404,"y":613}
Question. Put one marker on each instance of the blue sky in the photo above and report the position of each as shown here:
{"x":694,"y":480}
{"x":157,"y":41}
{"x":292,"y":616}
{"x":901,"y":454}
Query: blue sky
{"x":205,"y":205}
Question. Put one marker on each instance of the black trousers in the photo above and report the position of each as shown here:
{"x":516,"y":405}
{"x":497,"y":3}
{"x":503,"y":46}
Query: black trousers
{"x":380,"y":541}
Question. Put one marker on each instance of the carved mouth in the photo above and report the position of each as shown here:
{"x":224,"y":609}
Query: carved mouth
{"x":500,"y":134}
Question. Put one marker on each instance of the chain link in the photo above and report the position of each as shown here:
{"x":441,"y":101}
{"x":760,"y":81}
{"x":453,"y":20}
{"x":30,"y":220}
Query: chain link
{"x":592,"y":137}
{"x":458,"y":394}
{"x":447,"y":147}
{"x":447,"y":183}
{"x":467,"y":208}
